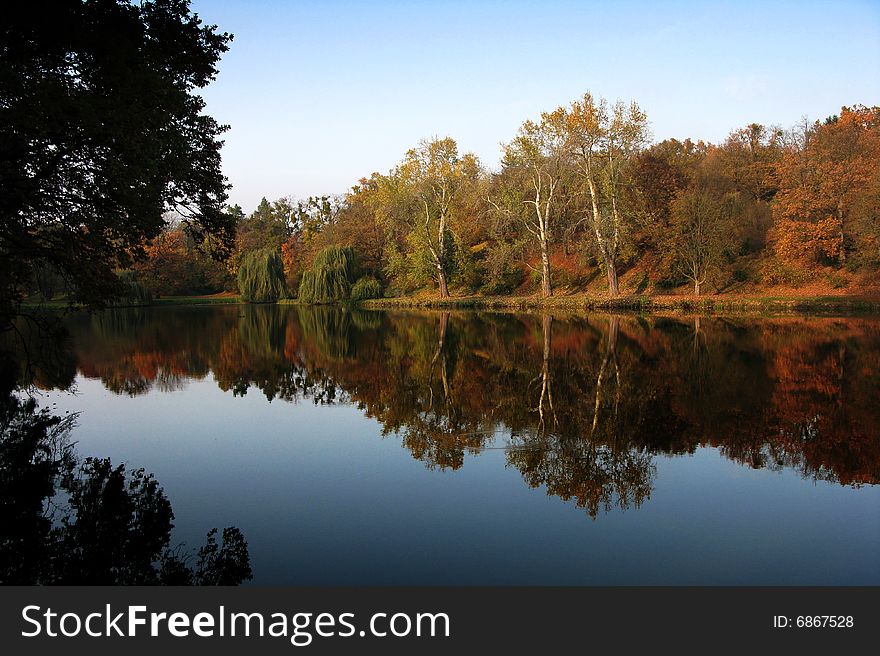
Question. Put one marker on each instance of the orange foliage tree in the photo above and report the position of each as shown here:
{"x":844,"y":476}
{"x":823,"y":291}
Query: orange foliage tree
{"x":821,"y":179}
{"x":174,"y":265}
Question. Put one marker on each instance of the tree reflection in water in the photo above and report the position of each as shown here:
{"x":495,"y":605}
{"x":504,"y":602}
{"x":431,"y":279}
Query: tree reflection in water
{"x":595,"y":465}
{"x":69,"y":521}
{"x":582,"y":404}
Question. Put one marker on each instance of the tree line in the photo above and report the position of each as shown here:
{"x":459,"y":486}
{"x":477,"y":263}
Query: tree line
{"x":99,"y":155}
{"x":580,"y":196}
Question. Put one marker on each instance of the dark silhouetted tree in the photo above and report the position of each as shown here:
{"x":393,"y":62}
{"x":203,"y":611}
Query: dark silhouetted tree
{"x":101,"y":133}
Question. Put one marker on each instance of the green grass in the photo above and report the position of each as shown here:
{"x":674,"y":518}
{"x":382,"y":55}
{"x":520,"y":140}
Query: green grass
{"x":198,"y":300}
{"x":645,"y":304}
{"x":760,"y":305}
{"x":55,"y":304}
{"x":62,"y":303}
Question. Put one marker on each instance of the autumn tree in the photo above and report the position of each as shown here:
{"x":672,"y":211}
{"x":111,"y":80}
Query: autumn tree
{"x":750,"y":155}
{"x":820,"y":181}
{"x":741,"y":171}
{"x":864,"y":218}
{"x":359,"y":224}
{"x":531,"y":189}
{"x":429,"y":183}
{"x":659,"y":174}
{"x":602,"y":139}
{"x":314,"y":214}
{"x":697,"y":234}
{"x":176,"y":265}
{"x":306,"y":221}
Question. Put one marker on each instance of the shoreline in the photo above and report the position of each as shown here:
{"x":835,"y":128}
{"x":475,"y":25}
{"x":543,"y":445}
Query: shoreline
{"x":823,"y":305}
{"x":681,"y":305}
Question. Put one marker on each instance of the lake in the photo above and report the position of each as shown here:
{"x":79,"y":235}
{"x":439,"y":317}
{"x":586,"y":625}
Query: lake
{"x":356,"y":447}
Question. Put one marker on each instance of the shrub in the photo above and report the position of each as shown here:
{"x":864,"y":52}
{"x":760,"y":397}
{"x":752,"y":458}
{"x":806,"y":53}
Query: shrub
{"x":776,"y":272}
{"x":261,"y":277}
{"x":837,"y":280}
{"x":502,"y":271}
{"x":365,"y":288}
{"x":536,"y":277}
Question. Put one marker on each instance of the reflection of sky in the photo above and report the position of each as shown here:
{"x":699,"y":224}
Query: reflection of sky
{"x":323,"y":498}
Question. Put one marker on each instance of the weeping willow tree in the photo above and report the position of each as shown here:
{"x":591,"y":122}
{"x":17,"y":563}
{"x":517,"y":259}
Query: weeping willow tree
{"x":261,"y":277}
{"x":329,"y":280}
{"x":133,"y":291}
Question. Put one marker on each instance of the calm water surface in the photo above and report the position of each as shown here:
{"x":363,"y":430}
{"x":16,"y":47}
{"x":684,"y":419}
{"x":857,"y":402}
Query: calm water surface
{"x":356,"y":447}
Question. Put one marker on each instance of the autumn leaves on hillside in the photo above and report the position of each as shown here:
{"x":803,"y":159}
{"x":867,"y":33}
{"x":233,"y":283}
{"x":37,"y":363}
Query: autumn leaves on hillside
{"x":583,"y":202}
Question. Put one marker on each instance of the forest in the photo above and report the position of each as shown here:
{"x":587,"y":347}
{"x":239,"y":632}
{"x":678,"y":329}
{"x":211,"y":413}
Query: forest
{"x":582,"y":203}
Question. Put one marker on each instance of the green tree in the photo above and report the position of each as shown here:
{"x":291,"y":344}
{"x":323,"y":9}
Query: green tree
{"x":431,"y":179}
{"x":366,"y":288}
{"x":268,"y":226}
{"x":331,"y":276}
{"x":534,"y":168}
{"x":102,"y":131}
{"x":261,"y":277}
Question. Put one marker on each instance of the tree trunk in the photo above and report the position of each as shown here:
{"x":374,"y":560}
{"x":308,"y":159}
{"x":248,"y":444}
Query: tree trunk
{"x":613,"y":330}
{"x":696,"y":287}
{"x":546,"y":289}
{"x":441,"y":341}
{"x":611,"y":271}
{"x":546,"y":386}
{"x":609,"y":359}
{"x":440,"y":257}
{"x":441,"y":279}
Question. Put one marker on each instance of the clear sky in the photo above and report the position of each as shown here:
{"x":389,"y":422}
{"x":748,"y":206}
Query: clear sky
{"x":320,"y":94}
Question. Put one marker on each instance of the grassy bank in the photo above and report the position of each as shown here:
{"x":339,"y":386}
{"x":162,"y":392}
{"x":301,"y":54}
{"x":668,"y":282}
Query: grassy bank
{"x":214,"y":299}
{"x":759,"y":305}
{"x":647,"y":304}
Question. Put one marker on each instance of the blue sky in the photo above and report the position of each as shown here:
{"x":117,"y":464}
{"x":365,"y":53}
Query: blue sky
{"x":320,"y":94}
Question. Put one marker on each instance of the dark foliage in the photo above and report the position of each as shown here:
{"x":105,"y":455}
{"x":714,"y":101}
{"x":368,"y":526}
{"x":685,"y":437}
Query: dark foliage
{"x":101,"y":132}
{"x":70,"y":522}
